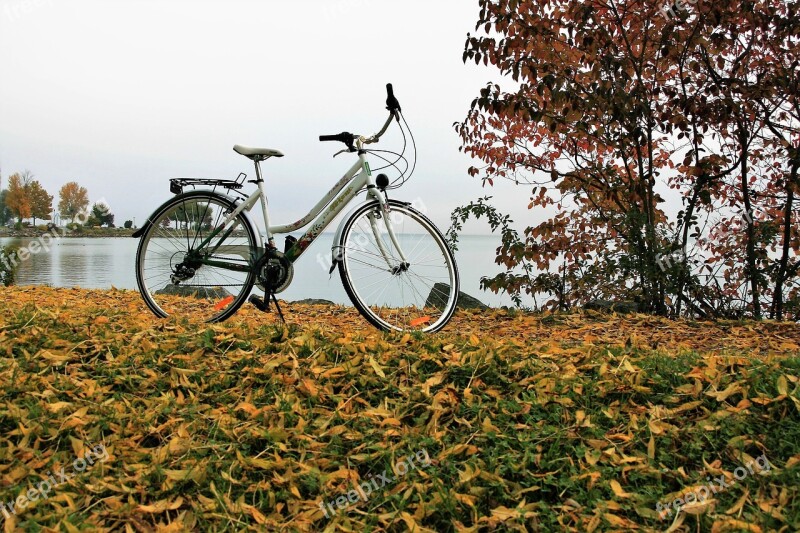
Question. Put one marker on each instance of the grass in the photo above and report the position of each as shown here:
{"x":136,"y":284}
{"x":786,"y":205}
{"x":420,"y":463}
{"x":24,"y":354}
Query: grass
{"x":531,"y":422}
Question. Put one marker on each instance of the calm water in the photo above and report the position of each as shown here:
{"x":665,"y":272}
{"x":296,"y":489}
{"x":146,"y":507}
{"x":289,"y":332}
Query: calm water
{"x":102,"y":263}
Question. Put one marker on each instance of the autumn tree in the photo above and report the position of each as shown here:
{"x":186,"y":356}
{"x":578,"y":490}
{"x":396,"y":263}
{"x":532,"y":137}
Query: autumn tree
{"x":27,"y":198}
{"x":755,"y":76}
{"x":74,"y":200}
{"x":18,"y":199}
{"x":41,"y":202}
{"x":616,"y":105}
{"x":738,"y":87}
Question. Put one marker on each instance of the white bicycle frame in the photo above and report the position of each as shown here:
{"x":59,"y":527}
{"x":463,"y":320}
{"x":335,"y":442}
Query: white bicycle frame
{"x":357,"y":178}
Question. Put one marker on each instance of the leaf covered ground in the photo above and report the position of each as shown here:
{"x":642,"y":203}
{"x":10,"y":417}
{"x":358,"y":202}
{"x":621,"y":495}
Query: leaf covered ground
{"x":581,"y":422}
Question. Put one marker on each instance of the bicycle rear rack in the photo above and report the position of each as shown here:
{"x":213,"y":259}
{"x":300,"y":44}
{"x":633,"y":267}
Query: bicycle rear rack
{"x":176,"y":185}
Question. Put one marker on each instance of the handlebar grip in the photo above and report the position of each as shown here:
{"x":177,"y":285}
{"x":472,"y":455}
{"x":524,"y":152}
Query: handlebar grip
{"x":344,"y":137}
{"x":391,"y":102}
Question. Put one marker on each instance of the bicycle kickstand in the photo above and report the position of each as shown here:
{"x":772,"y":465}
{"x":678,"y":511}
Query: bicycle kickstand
{"x":278,"y":307}
{"x":262,"y":304}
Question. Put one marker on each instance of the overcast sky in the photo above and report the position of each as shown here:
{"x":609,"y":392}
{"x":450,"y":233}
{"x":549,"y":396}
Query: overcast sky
{"x":122,"y":96}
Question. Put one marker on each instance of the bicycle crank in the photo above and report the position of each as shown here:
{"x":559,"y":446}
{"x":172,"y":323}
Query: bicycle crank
{"x":275,"y":272}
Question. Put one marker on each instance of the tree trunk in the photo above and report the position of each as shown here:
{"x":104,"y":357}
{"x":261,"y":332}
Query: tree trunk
{"x":687,"y":223}
{"x":752,"y":269}
{"x":777,"y":302}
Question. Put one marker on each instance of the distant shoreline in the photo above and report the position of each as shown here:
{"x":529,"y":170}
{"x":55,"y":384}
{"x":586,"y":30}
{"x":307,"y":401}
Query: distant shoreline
{"x":33,"y":233}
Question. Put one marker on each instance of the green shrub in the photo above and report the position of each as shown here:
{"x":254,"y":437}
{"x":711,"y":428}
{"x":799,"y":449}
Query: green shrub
{"x":8,"y":265}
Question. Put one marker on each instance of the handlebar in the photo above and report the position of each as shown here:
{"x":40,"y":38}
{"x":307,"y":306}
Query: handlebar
{"x":349,"y":138}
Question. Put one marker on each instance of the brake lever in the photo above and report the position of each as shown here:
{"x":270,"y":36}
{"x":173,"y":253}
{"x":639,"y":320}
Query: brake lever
{"x":340,"y":152}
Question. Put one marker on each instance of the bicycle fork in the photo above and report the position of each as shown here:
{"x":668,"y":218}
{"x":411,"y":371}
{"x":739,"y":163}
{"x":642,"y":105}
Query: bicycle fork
{"x":396,"y":262}
{"x":387,"y":256}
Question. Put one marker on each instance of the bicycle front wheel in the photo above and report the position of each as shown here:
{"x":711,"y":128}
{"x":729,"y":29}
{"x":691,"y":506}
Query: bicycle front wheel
{"x":405,"y":282}
{"x":191,"y":265}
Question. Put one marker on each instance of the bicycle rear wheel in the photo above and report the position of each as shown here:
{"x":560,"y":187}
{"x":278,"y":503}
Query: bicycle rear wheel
{"x":172,"y":269}
{"x":413,"y":287}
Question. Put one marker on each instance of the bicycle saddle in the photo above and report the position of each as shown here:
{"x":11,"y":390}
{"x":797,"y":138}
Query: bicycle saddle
{"x":253,"y":153}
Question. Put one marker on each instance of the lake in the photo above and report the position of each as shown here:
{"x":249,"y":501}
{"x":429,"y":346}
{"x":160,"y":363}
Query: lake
{"x":102,"y":263}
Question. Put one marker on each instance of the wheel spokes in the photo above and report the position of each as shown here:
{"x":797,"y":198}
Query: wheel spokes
{"x":400,"y":294}
{"x":175,"y":272}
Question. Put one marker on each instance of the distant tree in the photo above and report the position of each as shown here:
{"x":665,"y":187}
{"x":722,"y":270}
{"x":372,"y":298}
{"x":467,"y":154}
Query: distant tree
{"x":194,"y":215}
{"x":101,"y":215}
{"x":128,"y":224}
{"x":181,"y":216}
{"x":18,"y":198}
{"x":5,"y":212}
{"x":41,"y":202}
{"x":74,"y":200}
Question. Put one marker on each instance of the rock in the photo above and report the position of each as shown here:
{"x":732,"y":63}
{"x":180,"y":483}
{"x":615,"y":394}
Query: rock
{"x":212,"y":293}
{"x":612,"y":307}
{"x":465,"y":301}
{"x":314,"y":301}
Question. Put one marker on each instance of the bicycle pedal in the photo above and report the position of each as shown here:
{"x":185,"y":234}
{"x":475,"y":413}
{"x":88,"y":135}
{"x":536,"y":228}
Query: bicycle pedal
{"x":259,"y":303}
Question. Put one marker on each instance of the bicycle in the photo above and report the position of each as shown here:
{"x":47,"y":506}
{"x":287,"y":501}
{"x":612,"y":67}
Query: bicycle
{"x":200,"y":254}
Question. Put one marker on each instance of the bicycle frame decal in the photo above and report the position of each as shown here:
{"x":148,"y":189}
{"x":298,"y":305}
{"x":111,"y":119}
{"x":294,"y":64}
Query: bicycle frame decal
{"x":317,"y":209}
{"x":294,"y":253}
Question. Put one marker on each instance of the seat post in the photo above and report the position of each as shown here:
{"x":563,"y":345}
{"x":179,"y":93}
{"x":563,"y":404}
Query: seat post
{"x":259,"y":180}
{"x":257,"y":161}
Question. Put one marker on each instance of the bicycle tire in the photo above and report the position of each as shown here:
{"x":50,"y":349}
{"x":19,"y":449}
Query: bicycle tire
{"x":181,"y":304}
{"x":350,"y":279}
